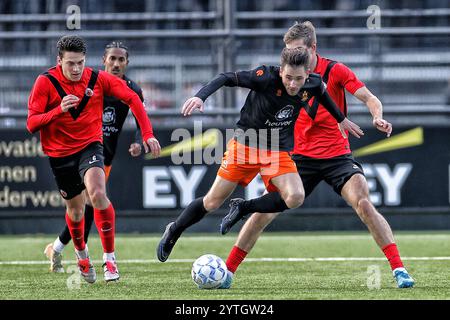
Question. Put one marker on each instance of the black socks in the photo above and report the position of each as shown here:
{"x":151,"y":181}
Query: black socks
{"x":194,"y":212}
{"x":270,"y":202}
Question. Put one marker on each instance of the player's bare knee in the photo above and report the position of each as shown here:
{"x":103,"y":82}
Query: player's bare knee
{"x":75,"y":214}
{"x":212,"y":204}
{"x":99,"y":199}
{"x":365,"y":207}
{"x":294,"y":200}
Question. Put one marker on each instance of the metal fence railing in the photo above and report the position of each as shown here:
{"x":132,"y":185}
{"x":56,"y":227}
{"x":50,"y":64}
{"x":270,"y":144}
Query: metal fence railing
{"x":406,"y":64}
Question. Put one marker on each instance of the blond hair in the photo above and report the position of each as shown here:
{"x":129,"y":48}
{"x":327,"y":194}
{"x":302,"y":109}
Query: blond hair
{"x":301,"y":30}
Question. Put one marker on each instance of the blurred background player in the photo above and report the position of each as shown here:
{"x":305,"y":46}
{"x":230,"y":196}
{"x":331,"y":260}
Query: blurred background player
{"x":323,"y":154}
{"x":66,"y":106}
{"x":269,"y":107}
{"x":115,"y":112}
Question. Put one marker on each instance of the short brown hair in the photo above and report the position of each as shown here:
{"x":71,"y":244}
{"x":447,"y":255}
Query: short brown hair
{"x":295,"y":57}
{"x":71,"y":44}
{"x":301,"y":30}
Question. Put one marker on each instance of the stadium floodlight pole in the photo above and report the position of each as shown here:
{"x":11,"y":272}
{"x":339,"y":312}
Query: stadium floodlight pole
{"x":229,"y":100}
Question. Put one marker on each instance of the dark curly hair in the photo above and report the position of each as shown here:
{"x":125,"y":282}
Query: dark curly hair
{"x":72,"y":44}
{"x":116,"y":44}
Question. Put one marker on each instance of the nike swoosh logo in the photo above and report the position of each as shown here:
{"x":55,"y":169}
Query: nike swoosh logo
{"x":91,"y":162}
{"x":104,"y":230}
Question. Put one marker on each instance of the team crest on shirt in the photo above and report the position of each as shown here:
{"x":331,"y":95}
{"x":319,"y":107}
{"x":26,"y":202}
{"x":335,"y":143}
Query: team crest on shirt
{"x":279,"y":92}
{"x":305,"y":96}
{"x":109,"y":116}
{"x":89,"y":92}
{"x":285,"y":113}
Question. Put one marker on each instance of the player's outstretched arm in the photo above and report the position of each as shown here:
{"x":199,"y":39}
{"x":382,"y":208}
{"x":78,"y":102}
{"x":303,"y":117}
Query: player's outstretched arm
{"x":191,"y":104}
{"x":376,"y":109}
{"x":116,"y":87}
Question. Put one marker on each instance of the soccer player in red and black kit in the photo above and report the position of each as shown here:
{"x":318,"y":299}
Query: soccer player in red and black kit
{"x":66,"y":106}
{"x":276,"y":98}
{"x":321,"y":153}
{"x":115,"y":112}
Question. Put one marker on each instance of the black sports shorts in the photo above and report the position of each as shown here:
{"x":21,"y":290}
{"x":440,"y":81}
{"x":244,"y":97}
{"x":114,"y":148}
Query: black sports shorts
{"x":334,"y":171}
{"x":69,"y":171}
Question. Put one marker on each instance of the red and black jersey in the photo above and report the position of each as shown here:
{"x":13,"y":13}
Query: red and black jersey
{"x":318,"y":136}
{"x":62,"y":134}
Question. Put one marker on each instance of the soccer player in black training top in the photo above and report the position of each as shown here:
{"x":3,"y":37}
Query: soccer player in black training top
{"x":270,"y":110}
{"x":115,"y":112}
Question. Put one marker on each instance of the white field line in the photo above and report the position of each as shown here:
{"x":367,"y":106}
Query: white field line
{"x":265,"y":237}
{"x":137,"y":261}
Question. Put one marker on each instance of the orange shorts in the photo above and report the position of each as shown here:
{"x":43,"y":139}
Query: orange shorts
{"x":107,"y":172}
{"x":241,"y":164}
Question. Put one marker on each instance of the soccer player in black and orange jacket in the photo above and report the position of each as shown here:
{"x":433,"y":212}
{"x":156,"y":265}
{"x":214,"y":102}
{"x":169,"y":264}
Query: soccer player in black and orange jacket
{"x":321,"y":153}
{"x":263,"y":139}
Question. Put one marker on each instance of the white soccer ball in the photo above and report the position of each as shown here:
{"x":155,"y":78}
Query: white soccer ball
{"x":209,"y":271}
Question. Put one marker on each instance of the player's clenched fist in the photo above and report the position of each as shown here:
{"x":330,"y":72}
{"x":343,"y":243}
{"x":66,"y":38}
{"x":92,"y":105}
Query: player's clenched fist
{"x":68,"y":102}
{"x":135,"y":149}
{"x":383,"y":126}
